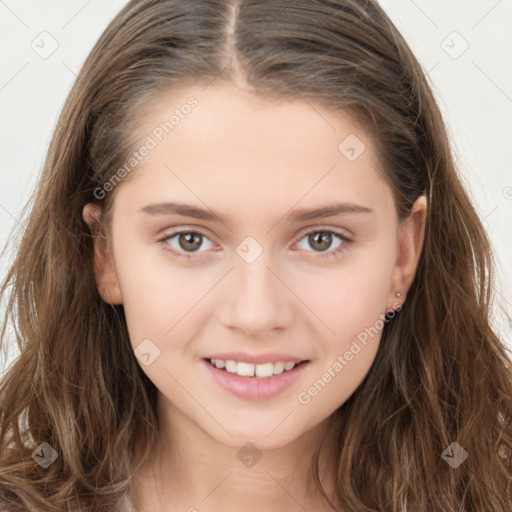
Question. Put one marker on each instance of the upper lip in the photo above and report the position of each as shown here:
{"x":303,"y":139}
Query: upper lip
{"x":269,"y":357}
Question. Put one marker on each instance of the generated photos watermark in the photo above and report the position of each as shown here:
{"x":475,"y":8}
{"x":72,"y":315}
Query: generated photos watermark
{"x":157,"y":135}
{"x":305,"y":397}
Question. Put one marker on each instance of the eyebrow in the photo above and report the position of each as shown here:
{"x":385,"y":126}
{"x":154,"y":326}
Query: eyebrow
{"x":300,"y":215}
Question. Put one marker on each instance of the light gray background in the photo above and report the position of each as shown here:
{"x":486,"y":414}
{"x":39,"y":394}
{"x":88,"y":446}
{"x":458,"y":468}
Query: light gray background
{"x":473,"y":86}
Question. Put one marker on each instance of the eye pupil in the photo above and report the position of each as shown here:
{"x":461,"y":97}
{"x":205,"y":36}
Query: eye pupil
{"x":187,"y":237}
{"x":321,"y":237}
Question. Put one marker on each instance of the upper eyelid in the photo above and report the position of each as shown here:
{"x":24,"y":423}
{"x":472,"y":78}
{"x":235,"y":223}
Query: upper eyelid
{"x":336,"y":231}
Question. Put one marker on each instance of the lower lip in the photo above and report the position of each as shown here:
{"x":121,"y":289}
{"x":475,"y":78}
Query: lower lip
{"x":253,"y":388}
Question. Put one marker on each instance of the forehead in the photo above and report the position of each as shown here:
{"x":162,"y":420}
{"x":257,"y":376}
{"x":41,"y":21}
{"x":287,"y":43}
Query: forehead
{"x":233,"y":148}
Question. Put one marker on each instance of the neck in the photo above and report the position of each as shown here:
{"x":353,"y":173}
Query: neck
{"x":191,"y":471}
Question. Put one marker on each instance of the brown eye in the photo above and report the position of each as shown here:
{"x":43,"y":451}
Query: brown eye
{"x":186,"y":243}
{"x":190,"y":241}
{"x":320,"y":240}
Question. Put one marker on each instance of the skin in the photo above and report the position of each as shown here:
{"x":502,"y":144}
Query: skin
{"x":256,"y":162}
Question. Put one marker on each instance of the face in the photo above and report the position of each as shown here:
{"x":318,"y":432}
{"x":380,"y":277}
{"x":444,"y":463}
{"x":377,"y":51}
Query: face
{"x":255,"y":234}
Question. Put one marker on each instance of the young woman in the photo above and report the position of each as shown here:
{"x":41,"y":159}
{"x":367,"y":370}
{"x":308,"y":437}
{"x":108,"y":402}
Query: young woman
{"x":251,"y":278}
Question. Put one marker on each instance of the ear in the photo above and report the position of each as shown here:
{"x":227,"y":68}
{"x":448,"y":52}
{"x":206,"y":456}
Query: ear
{"x":104,"y":268}
{"x":411,"y":233}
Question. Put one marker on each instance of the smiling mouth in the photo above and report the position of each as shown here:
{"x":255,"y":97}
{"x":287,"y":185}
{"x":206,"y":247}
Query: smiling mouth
{"x":257,"y":371}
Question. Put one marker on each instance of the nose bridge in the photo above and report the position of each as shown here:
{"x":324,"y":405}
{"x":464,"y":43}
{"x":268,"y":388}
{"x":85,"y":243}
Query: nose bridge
{"x":255,"y":281}
{"x":257,"y":298}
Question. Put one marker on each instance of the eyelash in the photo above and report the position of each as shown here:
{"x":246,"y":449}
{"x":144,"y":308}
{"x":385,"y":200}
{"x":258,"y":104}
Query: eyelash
{"x":340,"y":249}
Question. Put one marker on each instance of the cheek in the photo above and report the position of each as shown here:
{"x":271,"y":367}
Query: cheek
{"x":351,"y":297}
{"x":157,"y":294}
{"x":354,"y":312}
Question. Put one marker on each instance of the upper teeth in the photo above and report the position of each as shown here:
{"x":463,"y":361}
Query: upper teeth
{"x":249,"y":370}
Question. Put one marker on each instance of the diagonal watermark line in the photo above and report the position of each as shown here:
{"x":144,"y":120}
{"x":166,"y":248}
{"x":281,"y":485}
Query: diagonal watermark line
{"x":284,"y":489}
{"x":14,"y":76}
{"x":503,"y":297}
{"x":280,"y":423}
{"x":492,"y":81}
{"x":167,"y":167}
{"x":198,"y":402}
{"x":232,"y":82}
{"x":192,"y":307}
{"x":486,"y":14}
{"x":424,"y":13}
{"x":314,"y":109}
{"x":3,"y":3}
{"x":490,"y":213}
{"x":333,"y":333}
{"x":76,"y":14}
{"x":69,"y":68}
{"x":217,"y":76}
{"x":305,"y":194}
{"x":432,"y":68}
{"x":10,"y":215}
{"x":216,"y":486}
{"x":72,"y":71}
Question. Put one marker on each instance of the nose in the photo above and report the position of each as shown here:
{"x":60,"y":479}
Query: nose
{"x":259,"y":300}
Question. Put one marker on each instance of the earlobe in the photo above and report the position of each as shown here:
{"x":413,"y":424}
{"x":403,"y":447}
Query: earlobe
{"x":411,"y":236}
{"x":104,"y":269}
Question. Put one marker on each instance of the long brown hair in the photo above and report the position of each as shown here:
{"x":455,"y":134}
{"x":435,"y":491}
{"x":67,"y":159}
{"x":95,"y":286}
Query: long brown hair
{"x":441,"y":375}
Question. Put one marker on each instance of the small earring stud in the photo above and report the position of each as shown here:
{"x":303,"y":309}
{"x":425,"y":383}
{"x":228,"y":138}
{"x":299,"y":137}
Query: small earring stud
{"x":397,"y":294}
